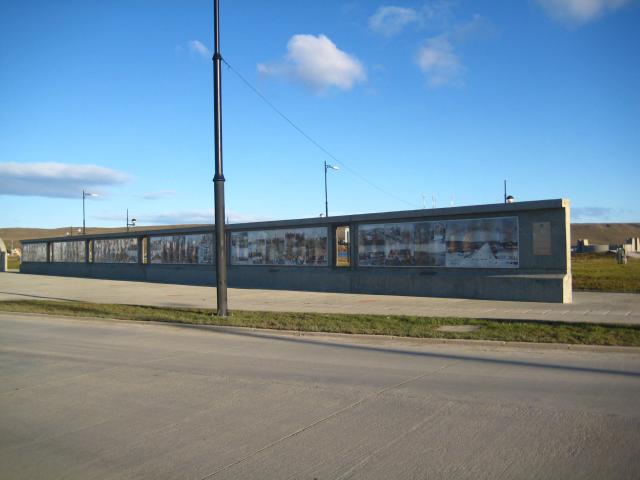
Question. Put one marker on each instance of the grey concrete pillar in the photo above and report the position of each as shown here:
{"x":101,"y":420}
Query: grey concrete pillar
{"x":353,"y":245}
{"x":141,"y":250}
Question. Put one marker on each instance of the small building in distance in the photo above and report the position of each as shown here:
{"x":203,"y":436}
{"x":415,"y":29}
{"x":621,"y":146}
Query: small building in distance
{"x":629,"y":245}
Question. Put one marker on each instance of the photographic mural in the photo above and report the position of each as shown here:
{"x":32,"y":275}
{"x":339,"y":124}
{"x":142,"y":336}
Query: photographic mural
{"x":72,"y":251}
{"x":194,"y":248}
{"x":34,"y":252}
{"x":296,"y":246}
{"x":115,"y":250}
{"x":483,"y":243}
{"x":470,"y":243}
{"x":476,"y":243}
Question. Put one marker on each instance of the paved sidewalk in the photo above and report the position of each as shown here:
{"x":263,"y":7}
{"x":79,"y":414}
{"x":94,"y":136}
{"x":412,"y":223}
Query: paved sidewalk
{"x":618,"y":308}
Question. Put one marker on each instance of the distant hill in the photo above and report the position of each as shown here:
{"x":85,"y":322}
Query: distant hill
{"x":604,"y":233}
{"x":599,"y":233}
{"x":17,"y":234}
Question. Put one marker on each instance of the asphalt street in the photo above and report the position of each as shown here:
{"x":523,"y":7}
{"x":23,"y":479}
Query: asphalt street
{"x":83,"y":399}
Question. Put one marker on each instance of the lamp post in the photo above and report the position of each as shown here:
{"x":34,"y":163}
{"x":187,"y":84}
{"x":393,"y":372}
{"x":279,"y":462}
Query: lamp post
{"x":507,"y":198}
{"x":85,"y":195}
{"x":326,"y":198}
{"x":218,"y":179}
{"x":133,"y":221}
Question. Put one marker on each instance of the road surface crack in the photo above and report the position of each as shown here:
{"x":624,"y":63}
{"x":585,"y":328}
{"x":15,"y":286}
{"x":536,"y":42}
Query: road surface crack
{"x":325,"y":419}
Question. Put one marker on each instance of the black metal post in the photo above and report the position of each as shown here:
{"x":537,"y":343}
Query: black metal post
{"x":218,"y":179}
{"x":505,"y":191}
{"x":84,"y":232}
{"x":127,"y":219}
{"x":326,"y":199}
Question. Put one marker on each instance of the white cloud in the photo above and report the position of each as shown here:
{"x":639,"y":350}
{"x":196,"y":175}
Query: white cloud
{"x":599,"y":214}
{"x":437,"y":57}
{"x":437,"y":13}
{"x":476,"y":28}
{"x":391,"y":20}
{"x":579,"y":12}
{"x":317,"y":63}
{"x":159,"y":194}
{"x":438,"y":61}
{"x":197,"y":47}
{"x":55,"y":179}
{"x":183,"y":217}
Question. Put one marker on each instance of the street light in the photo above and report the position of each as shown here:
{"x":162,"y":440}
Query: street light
{"x":85,"y":195}
{"x":326,"y":201}
{"x":218,"y":178}
{"x":132,"y":223}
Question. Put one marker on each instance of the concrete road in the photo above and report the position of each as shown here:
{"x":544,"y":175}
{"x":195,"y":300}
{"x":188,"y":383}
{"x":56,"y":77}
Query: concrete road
{"x":84,"y":399}
{"x":618,"y":308}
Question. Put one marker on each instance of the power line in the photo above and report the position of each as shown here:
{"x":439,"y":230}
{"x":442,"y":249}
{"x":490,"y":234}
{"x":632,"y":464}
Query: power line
{"x":310,"y":139}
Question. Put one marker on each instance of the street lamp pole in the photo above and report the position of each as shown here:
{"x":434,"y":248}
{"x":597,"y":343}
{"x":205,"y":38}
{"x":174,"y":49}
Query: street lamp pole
{"x":218,"y":179}
{"x":83,"y":221}
{"x":85,"y":195}
{"x":326,"y":198}
{"x":132,"y":223}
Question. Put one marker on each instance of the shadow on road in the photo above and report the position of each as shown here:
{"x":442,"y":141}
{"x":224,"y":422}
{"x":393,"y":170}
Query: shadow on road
{"x":397,"y":351}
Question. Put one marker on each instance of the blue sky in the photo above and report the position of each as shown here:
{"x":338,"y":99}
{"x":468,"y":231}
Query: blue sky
{"x":420,"y":102}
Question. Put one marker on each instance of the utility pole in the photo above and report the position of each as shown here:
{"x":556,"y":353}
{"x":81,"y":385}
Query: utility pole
{"x":218,"y":179}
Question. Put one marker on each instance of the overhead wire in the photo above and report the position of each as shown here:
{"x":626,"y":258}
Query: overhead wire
{"x":311,"y":139}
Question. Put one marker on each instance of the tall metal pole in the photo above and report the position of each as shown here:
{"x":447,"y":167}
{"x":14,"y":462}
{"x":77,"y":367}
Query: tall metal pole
{"x":84,"y":232}
{"x":218,"y":179}
{"x":326,"y":199}
{"x":127,"y":219}
{"x":505,"y":191}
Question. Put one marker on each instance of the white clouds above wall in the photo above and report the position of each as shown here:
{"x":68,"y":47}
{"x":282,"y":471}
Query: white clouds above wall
{"x":579,"y":12}
{"x":53,"y":179}
{"x":317,"y":63}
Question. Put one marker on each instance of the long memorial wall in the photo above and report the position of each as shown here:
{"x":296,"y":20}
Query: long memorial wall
{"x":516,"y":251}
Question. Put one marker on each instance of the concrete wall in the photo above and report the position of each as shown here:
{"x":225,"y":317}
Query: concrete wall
{"x":3,"y":256}
{"x":544,"y":272}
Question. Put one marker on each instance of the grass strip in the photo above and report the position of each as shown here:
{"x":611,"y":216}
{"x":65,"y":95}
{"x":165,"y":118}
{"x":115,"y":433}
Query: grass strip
{"x":395,"y":325}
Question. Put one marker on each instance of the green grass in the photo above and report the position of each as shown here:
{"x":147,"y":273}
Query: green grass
{"x":602,"y":272}
{"x":395,"y":325}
